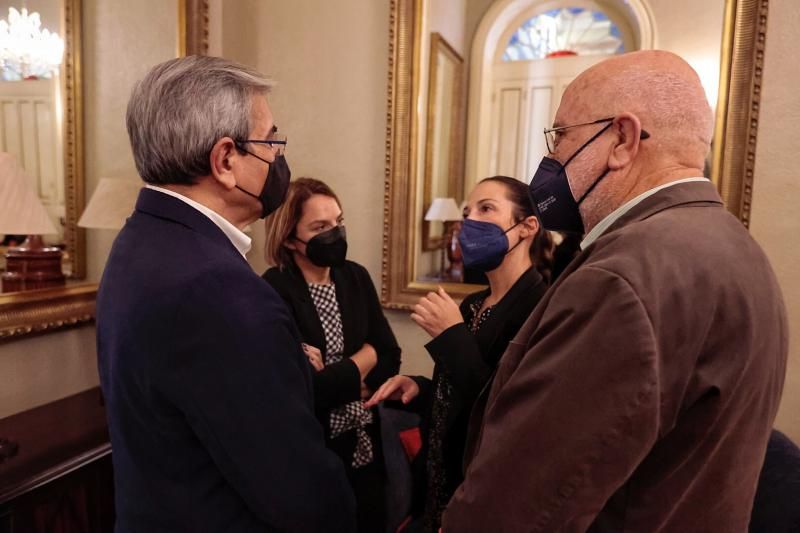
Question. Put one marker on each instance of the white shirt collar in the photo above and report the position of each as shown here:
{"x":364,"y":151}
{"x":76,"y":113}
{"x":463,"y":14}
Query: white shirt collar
{"x":606,"y":223}
{"x":241,"y":241}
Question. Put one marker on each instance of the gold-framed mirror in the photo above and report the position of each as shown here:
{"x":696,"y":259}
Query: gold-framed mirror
{"x":729,"y":57}
{"x":50,"y":110}
{"x":43,"y":310}
{"x":444,"y":143}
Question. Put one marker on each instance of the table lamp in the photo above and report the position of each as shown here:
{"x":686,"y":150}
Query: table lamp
{"x":111,"y":204}
{"x":443,"y":210}
{"x":31,"y":265}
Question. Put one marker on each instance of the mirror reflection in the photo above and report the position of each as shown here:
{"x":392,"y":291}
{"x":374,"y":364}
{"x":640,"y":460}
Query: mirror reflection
{"x":519,"y":56}
{"x":32,"y":145}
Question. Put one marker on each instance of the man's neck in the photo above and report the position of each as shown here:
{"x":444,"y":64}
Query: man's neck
{"x":603,"y":206}
{"x":214,"y":200}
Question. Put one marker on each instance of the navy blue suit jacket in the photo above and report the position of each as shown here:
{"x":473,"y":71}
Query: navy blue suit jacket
{"x":208,"y":393}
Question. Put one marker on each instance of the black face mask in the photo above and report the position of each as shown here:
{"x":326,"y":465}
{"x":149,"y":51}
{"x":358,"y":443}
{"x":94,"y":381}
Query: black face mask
{"x":551,"y":196}
{"x":327,"y":249}
{"x":274,"y":192}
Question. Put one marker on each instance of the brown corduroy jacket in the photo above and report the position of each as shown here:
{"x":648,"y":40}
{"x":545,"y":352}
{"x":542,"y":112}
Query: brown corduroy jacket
{"x":640,"y":394}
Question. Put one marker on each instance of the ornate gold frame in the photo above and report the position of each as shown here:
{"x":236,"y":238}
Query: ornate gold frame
{"x":743,"y":41}
{"x":45,"y":310}
{"x":456,"y":156}
{"x":734,"y":148}
{"x":74,"y":190}
{"x":192,"y":27}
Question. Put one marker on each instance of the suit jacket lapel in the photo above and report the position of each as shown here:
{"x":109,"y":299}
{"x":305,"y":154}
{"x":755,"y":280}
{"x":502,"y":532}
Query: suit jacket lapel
{"x":489,"y":336}
{"x":344,"y":297}
{"x":305,"y":310}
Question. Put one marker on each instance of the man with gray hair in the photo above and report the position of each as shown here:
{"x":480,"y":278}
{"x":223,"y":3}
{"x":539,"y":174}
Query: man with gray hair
{"x":207,"y":389}
{"x":640,"y":394}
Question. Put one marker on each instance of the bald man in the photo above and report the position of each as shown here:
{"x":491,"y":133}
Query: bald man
{"x":640,"y":394}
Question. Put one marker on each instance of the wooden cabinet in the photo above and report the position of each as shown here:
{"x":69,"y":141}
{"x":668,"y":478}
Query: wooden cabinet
{"x":60,"y":480}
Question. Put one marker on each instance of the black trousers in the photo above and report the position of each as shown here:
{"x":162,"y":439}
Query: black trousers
{"x":369,"y":487}
{"x":368,"y":482}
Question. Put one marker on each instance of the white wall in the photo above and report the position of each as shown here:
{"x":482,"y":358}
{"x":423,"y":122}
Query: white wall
{"x":775,"y":219}
{"x":330,"y":60}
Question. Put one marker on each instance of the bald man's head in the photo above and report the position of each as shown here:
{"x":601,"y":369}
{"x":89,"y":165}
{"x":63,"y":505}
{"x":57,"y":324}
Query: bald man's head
{"x":660,"y":88}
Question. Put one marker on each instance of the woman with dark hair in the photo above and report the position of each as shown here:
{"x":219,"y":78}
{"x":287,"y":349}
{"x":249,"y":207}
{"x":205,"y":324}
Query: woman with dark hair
{"x":346,"y":337}
{"x":501,"y":237}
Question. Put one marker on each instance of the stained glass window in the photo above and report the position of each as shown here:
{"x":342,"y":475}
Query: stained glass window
{"x":563,"y":32}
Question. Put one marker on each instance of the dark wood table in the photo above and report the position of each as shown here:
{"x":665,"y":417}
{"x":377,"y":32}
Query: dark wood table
{"x":60,"y":477}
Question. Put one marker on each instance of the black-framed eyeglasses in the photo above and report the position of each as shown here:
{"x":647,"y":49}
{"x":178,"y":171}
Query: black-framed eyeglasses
{"x":277,"y":143}
{"x":551,"y":133}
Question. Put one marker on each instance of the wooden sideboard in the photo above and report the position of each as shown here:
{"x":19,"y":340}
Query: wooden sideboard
{"x":59,"y":477}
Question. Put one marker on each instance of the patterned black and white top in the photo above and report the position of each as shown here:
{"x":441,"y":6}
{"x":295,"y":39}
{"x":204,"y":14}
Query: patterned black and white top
{"x":478,"y":318}
{"x":352,"y":416}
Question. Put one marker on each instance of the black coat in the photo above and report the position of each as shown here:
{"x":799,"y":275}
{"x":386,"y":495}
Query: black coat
{"x":208,"y":394}
{"x":470,"y":362}
{"x":362,"y":322}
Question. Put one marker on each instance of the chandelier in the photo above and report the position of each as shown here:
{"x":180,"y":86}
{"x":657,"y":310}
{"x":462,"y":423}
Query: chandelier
{"x":27,"y":51}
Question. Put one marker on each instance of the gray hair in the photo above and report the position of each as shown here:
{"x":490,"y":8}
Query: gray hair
{"x":181,"y":108}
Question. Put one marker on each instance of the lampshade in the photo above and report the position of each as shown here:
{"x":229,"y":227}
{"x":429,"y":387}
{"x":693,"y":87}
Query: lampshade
{"x":21,"y":211}
{"x":442,"y":210}
{"x":111,"y":204}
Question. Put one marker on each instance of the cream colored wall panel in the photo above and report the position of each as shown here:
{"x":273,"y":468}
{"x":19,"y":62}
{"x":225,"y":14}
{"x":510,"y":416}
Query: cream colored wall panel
{"x":775,"y":220}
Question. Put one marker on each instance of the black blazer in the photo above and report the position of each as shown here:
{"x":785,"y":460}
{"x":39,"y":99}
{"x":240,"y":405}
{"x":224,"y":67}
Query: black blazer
{"x":470,"y":362}
{"x":362,"y":322}
{"x":208,"y":394}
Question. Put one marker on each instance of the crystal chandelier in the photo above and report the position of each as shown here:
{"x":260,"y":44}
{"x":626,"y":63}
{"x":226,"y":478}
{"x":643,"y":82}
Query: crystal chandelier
{"x":26,"y":50}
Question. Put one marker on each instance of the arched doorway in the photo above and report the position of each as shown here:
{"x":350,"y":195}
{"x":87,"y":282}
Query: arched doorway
{"x":524,"y":54}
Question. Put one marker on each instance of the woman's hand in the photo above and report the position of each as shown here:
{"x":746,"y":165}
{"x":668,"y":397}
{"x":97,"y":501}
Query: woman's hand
{"x":365,"y":392}
{"x":314,"y":356}
{"x":401,"y":388}
{"x":436,"y":312}
{"x":365,"y":359}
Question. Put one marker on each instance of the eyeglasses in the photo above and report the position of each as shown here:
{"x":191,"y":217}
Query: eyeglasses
{"x":277,"y":143}
{"x":550,"y":134}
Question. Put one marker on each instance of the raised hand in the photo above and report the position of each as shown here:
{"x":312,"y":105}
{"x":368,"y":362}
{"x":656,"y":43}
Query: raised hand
{"x":436,"y":312}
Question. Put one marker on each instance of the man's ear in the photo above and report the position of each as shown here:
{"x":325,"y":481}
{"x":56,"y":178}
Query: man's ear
{"x":628,"y":130}
{"x":222,"y":159}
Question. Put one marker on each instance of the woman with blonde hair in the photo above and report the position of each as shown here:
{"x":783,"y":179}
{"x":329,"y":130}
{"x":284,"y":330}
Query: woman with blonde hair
{"x":345,"y":335}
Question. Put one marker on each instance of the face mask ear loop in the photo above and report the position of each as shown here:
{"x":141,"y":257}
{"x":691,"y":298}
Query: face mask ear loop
{"x":519,"y":241}
{"x":596,"y":182}
{"x":512,"y":227}
{"x":587,"y":143}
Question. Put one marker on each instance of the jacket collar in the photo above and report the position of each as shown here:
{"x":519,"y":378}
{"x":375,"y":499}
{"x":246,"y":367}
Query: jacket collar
{"x":167,"y":207}
{"x":683,"y":194}
{"x":530,"y":278}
